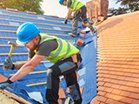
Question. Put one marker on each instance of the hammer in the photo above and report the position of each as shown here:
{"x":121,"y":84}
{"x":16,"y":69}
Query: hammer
{"x":8,"y":61}
{"x":12,"y":46}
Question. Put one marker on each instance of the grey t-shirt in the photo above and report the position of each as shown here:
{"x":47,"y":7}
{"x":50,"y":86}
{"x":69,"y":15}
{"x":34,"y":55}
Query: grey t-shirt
{"x":45,"y":48}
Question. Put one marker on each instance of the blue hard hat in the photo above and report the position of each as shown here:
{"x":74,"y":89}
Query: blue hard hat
{"x":61,"y":1}
{"x":26,"y":32}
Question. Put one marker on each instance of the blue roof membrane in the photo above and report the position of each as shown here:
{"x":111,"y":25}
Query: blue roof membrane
{"x":87,"y":75}
{"x":87,"y":71}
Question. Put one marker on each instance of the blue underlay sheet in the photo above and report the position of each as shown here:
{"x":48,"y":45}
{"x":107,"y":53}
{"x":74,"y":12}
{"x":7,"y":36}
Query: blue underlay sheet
{"x":25,"y":87}
{"x":87,"y":76}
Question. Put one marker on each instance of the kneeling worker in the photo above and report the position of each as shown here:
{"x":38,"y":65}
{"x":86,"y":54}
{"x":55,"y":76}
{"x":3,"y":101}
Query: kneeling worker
{"x":64,"y":55}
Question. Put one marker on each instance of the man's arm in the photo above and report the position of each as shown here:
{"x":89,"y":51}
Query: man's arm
{"x":18,"y":65}
{"x":69,"y":14}
{"x":27,"y":67}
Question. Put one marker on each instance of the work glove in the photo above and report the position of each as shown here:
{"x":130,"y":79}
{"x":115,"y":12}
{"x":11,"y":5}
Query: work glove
{"x":5,"y":84}
{"x":8,"y":64}
{"x":66,"y":21}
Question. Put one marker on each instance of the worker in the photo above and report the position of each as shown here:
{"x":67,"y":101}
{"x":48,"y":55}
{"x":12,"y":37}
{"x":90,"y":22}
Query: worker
{"x":79,"y":10}
{"x":64,"y":55}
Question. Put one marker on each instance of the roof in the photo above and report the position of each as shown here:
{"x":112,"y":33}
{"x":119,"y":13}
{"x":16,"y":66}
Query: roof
{"x":10,"y":98}
{"x":118,"y":60}
{"x":35,"y":82}
{"x":7,"y":97}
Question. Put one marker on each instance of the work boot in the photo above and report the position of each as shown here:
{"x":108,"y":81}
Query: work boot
{"x":89,"y":25}
{"x":97,"y":22}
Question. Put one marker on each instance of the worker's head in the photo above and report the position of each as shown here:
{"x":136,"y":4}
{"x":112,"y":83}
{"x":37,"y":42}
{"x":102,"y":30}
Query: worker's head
{"x":26,"y":32}
{"x":63,"y":2}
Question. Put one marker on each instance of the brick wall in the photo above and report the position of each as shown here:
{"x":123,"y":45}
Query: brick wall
{"x":97,"y":8}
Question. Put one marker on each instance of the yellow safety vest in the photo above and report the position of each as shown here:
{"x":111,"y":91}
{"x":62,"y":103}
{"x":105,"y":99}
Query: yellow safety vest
{"x":64,"y":49}
{"x":76,"y":5}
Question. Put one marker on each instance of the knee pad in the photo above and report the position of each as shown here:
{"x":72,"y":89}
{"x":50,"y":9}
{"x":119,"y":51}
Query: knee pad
{"x":49,"y":72}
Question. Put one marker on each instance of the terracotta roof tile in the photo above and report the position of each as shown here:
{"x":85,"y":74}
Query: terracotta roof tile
{"x":118,"y":60}
{"x":110,"y":101}
{"x":135,"y":101}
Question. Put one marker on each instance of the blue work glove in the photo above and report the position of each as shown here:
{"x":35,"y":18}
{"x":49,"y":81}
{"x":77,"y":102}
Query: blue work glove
{"x":5,"y":84}
{"x":8,"y":64}
{"x":66,"y":21}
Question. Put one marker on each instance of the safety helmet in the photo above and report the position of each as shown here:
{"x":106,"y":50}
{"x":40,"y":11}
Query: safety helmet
{"x":61,"y":2}
{"x":26,"y":32}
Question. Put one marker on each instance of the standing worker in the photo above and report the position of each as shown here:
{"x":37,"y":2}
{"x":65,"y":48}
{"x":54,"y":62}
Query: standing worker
{"x":64,"y":55}
{"x":79,"y":10}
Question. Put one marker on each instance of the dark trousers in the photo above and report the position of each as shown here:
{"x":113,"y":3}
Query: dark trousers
{"x":80,"y":14}
{"x":67,"y":68}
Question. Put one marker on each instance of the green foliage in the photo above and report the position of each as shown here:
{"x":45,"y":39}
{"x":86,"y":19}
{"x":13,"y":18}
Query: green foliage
{"x":23,"y":5}
{"x":118,"y":11}
{"x":132,"y":5}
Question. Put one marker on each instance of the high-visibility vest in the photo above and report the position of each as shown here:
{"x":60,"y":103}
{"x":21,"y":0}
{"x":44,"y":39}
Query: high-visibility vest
{"x":75,"y":5}
{"x":64,"y":49}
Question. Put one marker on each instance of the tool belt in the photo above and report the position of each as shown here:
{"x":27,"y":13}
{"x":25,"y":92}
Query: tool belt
{"x":76,"y":58}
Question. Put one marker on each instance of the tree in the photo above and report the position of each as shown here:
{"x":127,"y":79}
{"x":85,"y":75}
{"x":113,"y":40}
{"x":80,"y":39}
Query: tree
{"x":133,"y":5}
{"x":118,"y":11}
{"x":23,"y":5}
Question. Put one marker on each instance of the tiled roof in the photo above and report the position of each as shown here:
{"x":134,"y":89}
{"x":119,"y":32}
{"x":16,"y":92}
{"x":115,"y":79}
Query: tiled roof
{"x":118,"y":60}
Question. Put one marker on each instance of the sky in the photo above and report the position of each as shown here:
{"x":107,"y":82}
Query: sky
{"x":52,"y":7}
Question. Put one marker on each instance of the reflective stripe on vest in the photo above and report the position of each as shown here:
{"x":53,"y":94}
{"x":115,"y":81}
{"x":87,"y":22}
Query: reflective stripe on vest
{"x":76,"y":5}
{"x":64,"y":49}
{"x":53,"y":55}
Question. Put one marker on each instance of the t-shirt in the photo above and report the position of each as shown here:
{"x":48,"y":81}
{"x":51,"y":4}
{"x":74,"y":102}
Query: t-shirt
{"x":44,"y":48}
